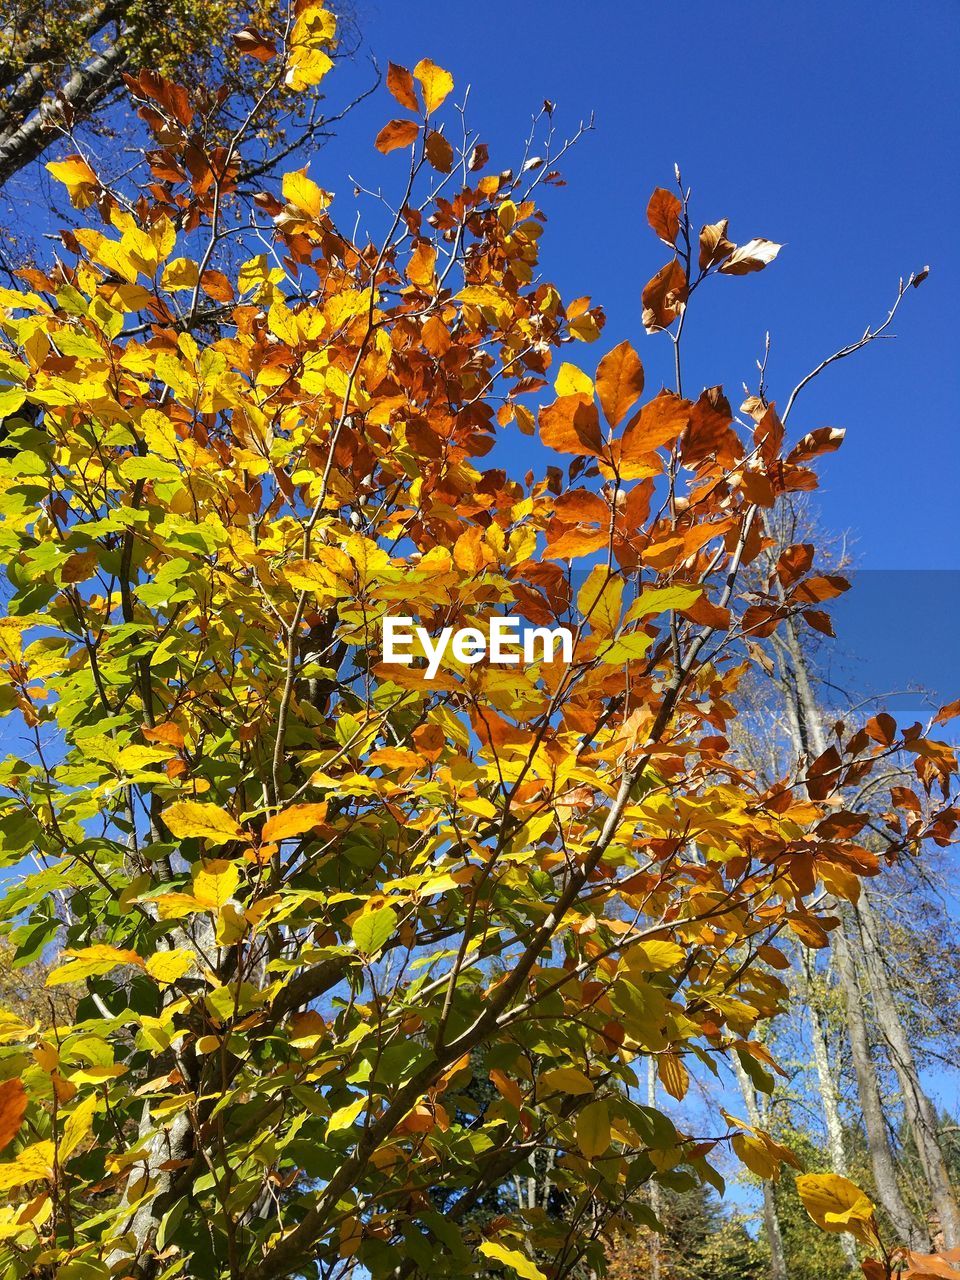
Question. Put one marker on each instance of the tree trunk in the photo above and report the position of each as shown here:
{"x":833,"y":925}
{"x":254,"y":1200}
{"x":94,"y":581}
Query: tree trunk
{"x":871,"y":1106}
{"x":829,"y":1094}
{"x":654,"y":1186}
{"x":809,"y":738}
{"x":27,"y":133}
{"x":920,"y":1113}
{"x":771,"y":1221}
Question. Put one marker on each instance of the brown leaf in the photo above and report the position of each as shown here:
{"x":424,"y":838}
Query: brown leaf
{"x":819,"y":621}
{"x":396,"y":133}
{"x":167,"y":733}
{"x":794,"y":562}
{"x":882,"y":728}
{"x":400,"y":83}
{"x":663,"y":214}
{"x":752,"y":256}
{"x":439,"y":152}
{"x":255,"y":44}
{"x":577,"y":505}
{"x":707,"y":614}
{"x":823,"y":775}
{"x":709,"y":431}
{"x":665,"y":296}
{"x":619,"y":382}
{"x":714,"y":245}
{"x":822,"y":440}
{"x":507,"y":1088}
{"x":816,"y":590}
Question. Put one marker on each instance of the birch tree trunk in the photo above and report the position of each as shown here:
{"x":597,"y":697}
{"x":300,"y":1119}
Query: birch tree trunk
{"x":654,"y":1186}
{"x":920,"y":1112}
{"x":807,"y":731}
{"x":829,"y":1094}
{"x":771,"y":1221}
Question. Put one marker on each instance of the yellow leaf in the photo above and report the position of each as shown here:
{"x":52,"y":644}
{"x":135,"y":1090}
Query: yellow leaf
{"x":520,"y":1263}
{"x":189,"y":819}
{"x":181,"y":273}
{"x":344,"y":1117}
{"x":312,"y":34}
{"x":654,"y":957}
{"x":481,"y":295}
{"x":599,"y":600}
{"x":593,"y":1130}
{"x":231,"y":925}
{"x":304,"y":193}
{"x":174,"y":906}
{"x":215,"y":882}
{"x":33,"y":1164}
{"x":167,"y":967}
{"x":757,"y":1156}
{"x":11,"y":398}
{"x":77,"y":176}
{"x":79,"y":1123}
{"x":572,"y":381}
{"x":673,"y":1075}
{"x":435,"y":83}
{"x":566,"y":1080}
{"x":836,"y":1204}
{"x":90,"y":962}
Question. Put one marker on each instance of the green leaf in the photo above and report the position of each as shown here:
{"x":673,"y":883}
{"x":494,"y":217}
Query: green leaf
{"x":372,"y":929}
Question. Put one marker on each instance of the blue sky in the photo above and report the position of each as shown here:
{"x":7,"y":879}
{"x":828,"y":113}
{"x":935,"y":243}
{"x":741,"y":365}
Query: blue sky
{"x":823,"y":126}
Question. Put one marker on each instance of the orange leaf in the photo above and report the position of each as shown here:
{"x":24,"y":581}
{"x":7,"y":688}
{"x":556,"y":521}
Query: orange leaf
{"x":400,"y":83}
{"x":663,"y":214}
{"x":13,"y":1105}
{"x":659,"y":422}
{"x":673,"y":1075}
{"x":168,"y":733}
{"x":619,"y":382}
{"x":572,"y":425}
{"x":396,"y":133}
{"x":506,"y":1087}
{"x":421,"y":265}
{"x":293,"y":822}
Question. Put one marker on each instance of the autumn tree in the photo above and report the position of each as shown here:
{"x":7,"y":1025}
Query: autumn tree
{"x":309,"y":892}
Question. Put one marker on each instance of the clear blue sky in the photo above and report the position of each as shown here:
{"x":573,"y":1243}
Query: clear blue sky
{"x":829,"y":127}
